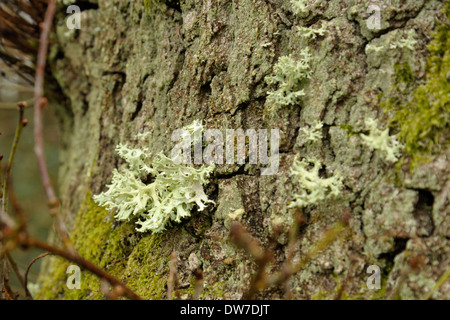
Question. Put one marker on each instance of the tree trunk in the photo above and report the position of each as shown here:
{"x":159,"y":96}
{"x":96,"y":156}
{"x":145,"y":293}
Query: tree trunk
{"x":136,"y":67}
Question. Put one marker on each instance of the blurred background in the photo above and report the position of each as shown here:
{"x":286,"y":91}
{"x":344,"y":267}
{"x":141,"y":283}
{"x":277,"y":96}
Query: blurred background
{"x":25,"y":174}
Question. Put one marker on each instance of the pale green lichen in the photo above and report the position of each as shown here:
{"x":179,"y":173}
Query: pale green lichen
{"x":314,"y":132}
{"x":289,"y":74}
{"x":372,"y":47}
{"x":136,"y":158}
{"x":312,"y":188}
{"x":409,"y":42}
{"x":299,"y":6}
{"x":171,"y":196}
{"x":193,"y":133}
{"x":194,"y":129}
{"x":143,"y":135}
{"x":381,"y":140}
{"x":309,"y":32}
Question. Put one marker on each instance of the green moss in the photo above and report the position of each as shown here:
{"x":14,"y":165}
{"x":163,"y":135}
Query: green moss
{"x":421,"y":115}
{"x":112,"y":247}
{"x":147,"y":269}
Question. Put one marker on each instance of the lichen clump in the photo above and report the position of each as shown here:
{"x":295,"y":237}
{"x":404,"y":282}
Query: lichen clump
{"x":409,"y":42}
{"x":311,"y":33}
{"x":312,"y":188}
{"x":174,"y":191}
{"x":314,"y":132}
{"x":289,"y":75}
{"x":381,"y":140}
{"x":299,"y":6}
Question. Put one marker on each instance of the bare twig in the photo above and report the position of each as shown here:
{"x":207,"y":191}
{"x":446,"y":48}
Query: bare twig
{"x":17,"y":209}
{"x":73,"y":256}
{"x":198,"y":284}
{"x":27,"y":292}
{"x":20,"y":237}
{"x":16,"y":270}
{"x":290,"y":269}
{"x":172,"y":284}
{"x":9,"y":165}
{"x":262,"y":257}
{"x":4,"y":182}
{"x":7,"y":288}
{"x":442,"y":279}
{"x":6,"y":219}
{"x":40,"y":102}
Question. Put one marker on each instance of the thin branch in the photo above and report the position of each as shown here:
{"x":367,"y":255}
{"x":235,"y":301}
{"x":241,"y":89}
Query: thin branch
{"x":4,"y":181}
{"x":7,"y":288}
{"x":442,"y":279}
{"x":198,"y":284}
{"x":324,"y":242}
{"x":9,"y":165}
{"x":172,"y":283}
{"x":40,"y":102}
{"x":261,"y":280}
{"x":6,"y":219}
{"x":20,"y":237}
{"x":262,"y":257}
{"x":83,"y":263}
{"x":16,"y":271}
{"x":27,"y":292}
{"x":17,"y":208}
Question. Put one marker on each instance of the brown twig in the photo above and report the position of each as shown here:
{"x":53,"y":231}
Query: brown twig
{"x":198,"y":288}
{"x":20,"y":237}
{"x":27,"y":292}
{"x":442,"y":279}
{"x":6,"y":284}
{"x":16,"y":270}
{"x":40,"y":102}
{"x":73,"y":256}
{"x":262,"y":257}
{"x":289,"y":269}
{"x":261,"y":280}
{"x":172,"y":283}
{"x":9,"y":165}
{"x":17,"y":209}
{"x":5,"y":181}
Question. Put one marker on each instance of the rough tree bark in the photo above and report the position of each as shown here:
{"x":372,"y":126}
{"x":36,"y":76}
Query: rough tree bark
{"x":136,"y":68}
